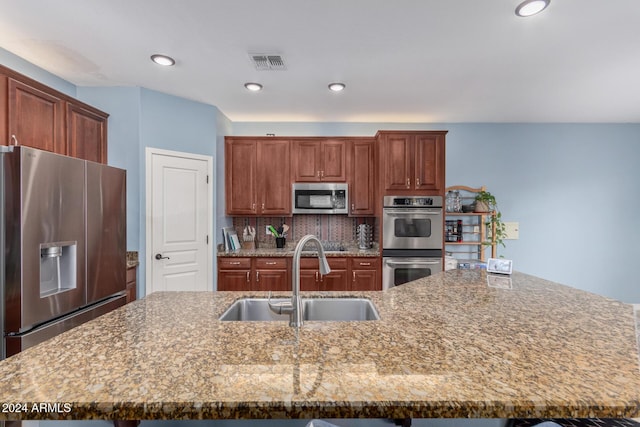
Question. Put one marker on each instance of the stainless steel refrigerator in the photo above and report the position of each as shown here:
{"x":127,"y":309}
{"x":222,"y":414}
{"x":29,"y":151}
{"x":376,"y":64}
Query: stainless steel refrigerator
{"x":62,"y":244}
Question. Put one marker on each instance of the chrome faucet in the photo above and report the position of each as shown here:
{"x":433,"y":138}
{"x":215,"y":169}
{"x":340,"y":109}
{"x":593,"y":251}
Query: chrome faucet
{"x":294,"y":307}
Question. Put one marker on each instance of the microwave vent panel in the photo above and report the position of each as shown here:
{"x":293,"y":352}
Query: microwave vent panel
{"x":267,"y":62}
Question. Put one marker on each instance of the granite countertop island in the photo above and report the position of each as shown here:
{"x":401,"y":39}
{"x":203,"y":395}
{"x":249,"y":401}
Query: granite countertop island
{"x":452,"y":345}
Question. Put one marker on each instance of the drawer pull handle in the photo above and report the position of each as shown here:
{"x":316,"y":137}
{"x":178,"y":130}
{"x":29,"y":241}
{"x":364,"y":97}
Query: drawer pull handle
{"x":257,"y":276}
{"x":271,"y":263}
{"x":365,"y":263}
{"x":235,"y":263}
{"x":248,"y":277}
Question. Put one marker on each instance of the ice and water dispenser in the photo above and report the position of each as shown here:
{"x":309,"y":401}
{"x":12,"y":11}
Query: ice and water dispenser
{"x":58,"y":263}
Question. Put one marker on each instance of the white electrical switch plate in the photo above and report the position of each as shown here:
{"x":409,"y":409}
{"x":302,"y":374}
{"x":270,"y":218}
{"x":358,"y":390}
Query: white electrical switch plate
{"x":266,"y":230}
{"x":512,"y":230}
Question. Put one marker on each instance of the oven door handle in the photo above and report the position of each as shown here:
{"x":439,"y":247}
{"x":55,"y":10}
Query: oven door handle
{"x":414,"y":213}
{"x":412,"y":262}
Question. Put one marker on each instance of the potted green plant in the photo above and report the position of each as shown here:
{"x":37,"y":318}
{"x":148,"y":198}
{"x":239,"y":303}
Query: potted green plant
{"x":485,"y":203}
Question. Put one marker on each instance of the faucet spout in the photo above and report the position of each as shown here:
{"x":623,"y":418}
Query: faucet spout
{"x":294,"y":309}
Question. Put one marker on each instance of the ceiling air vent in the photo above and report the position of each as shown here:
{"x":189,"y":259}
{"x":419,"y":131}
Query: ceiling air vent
{"x":265,"y":62}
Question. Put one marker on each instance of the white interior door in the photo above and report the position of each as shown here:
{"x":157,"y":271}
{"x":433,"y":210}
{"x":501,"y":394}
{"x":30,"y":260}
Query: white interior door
{"x":180,"y":202}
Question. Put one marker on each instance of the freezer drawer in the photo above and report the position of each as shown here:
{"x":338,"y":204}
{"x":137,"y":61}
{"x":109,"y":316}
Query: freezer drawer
{"x":18,"y":343}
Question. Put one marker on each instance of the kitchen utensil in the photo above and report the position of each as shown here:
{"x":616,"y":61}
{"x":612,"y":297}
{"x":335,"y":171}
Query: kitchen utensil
{"x":274,"y":231}
{"x":285,"y":228}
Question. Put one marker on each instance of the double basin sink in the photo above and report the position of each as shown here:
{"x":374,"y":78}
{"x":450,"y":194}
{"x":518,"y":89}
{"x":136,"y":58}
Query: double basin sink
{"x":314,"y":309}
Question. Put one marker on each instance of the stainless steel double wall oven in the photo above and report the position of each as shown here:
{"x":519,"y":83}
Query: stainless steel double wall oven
{"x":412,"y":238}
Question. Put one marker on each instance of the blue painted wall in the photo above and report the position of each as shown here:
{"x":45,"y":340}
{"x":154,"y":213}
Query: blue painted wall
{"x":171,"y":123}
{"x":572,"y":187}
{"x":123,"y":106}
{"x":18,"y":64}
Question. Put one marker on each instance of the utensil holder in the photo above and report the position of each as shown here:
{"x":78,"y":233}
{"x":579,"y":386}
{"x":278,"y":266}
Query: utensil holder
{"x":280,"y":242}
{"x":249,"y":244}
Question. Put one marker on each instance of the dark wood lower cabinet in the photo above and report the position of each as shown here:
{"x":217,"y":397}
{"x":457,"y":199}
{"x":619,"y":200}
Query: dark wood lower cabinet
{"x":365,"y":274}
{"x":127,"y":423}
{"x":274,"y":274}
{"x":132,"y":284}
{"x":254,"y":274}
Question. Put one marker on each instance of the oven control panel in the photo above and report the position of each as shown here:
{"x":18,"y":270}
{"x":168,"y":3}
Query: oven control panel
{"x":415,"y":201}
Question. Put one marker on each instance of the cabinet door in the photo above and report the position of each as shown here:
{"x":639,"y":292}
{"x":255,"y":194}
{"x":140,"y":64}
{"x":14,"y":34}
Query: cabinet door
{"x":336,"y":280}
{"x":364,"y":280}
{"x":429,"y":162}
{"x":396,"y":154}
{"x":309,"y":280}
{"x":334,"y":161}
{"x":362,"y":184}
{"x":240,"y":177}
{"x":274,"y":178}
{"x":306,"y":161}
{"x":35,"y":118}
{"x":365,"y":274}
{"x":271,"y":280}
{"x":131,"y":289}
{"x":86,"y":134}
{"x":234,"y":280}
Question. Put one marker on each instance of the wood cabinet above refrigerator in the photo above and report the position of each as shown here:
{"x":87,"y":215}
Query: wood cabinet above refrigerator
{"x":35,"y":115}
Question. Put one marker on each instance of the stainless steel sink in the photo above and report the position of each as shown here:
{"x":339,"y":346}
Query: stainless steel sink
{"x":314,"y":309}
{"x":339,"y":309}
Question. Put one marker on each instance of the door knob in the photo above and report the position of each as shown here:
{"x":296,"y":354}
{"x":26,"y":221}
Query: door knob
{"x":159,"y":256}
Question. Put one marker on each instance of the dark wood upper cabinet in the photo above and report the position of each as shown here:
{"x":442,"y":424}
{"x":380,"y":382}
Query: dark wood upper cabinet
{"x":412,"y":162}
{"x":274,"y":177}
{"x":86,"y":133}
{"x":35,"y":115}
{"x":429,"y":162}
{"x":257,"y":177}
{"x":320,"y":159}
{"x":241,"y":158}
{"x":35,"y":118}
{"x":362,"y":178}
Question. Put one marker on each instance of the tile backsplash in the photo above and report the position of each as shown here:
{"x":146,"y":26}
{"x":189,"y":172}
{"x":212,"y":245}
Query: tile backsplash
{"x":335,"y":228}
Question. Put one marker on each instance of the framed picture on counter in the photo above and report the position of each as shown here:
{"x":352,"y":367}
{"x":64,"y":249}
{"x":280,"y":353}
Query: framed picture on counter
{"x":498,"y":265}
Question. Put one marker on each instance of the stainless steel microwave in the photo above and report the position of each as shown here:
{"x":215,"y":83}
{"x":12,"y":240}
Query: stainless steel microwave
{"x":320,"y":198}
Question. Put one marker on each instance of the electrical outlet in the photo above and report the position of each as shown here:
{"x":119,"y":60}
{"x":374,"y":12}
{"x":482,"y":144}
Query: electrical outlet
{"x":512,"y":230}
{"x":266,"y":230}
{"x":476,"y":229}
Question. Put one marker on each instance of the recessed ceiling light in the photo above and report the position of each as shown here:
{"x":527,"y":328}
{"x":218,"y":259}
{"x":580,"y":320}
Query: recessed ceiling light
{"x":336,"y":87}
{"x":531,"y":7}
{"x":165,"y":60}
{"x":253,"y":87}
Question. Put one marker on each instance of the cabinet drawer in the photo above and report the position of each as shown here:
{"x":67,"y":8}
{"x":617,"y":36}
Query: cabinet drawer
{"x":365,"y":263}
{"x":334,"y":263}
{"x":275,"y":263}
{"x":230,"y":263}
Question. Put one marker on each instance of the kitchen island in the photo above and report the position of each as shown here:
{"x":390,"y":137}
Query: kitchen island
{"x":457,"y":344}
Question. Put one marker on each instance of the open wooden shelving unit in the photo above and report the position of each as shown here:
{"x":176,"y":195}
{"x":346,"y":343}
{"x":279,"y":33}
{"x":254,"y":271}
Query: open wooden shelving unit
{"x":475,"y":239}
